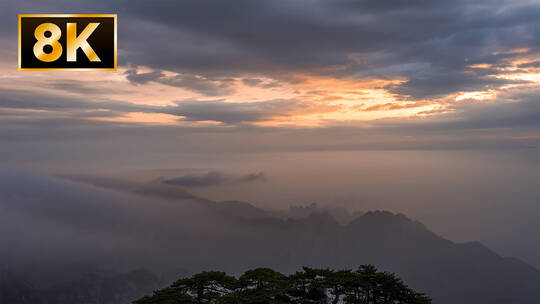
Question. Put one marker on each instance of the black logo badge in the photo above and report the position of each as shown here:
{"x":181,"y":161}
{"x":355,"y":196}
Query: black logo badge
{"x":66,"y":42}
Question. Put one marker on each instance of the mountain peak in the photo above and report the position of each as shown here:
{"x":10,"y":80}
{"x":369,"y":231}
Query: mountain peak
{"x":389,"y":223}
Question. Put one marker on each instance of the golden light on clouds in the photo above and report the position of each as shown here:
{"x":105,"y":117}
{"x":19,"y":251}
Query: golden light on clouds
{"x":512,"y":51}
{"x":477,"y":95}
{"x":533,"y":77}
{"x":481,"y":66}
{"x":315,"y":100}
{"x":144,"y":118}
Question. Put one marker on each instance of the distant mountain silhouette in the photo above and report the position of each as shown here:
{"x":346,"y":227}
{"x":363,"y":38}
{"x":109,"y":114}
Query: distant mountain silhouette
{"x":158,"y":189}
{"x":448,"y":272}
{"x":199,"y":234}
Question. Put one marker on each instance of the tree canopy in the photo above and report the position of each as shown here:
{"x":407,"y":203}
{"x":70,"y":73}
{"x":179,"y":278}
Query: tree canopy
{"x":364,"y":285}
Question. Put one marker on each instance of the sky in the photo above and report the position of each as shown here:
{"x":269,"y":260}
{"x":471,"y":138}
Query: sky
{"x":295,"y":64}
{"x":410,"y":105}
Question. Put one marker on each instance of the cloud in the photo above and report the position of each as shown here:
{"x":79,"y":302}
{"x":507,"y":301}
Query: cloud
{"x":388,"y":106}
{"x":510,"y":120}
{"x":212,"y":178}
{"x":252,"y":82}
{"x":84,"y":88}
{"x":312,"y":36}
{"x":209,"y":179}
{"x":189,"y":110}
{"x":344,"y":38}
{"x":256,"y":82}
{"x":256,"y":176}
{"x":31,"y":100}
{"x":441,"y":83}
{"x":67,"y":224}
{"x":426,"y":48}
{"x":71,"y":222}
{"x":240,"y":112}
{"x":512,"y":110}
{"x":193,"y":83}
{"x":142,"y":78}
{"x":202,"y":46}
{"x":533,"y":64}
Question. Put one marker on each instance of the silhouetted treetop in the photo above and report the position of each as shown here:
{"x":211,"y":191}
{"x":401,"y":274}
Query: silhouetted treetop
{"x":364,"y":285}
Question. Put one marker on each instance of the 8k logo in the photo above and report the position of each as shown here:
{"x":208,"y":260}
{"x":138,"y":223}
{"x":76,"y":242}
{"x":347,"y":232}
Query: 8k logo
{"x":62,"y":42}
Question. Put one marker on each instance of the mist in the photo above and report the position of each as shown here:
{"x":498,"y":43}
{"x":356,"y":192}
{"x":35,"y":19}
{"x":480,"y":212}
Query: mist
{"x":51,"y":226}
{"x":464,"y":195}
{"x":55,"y":231}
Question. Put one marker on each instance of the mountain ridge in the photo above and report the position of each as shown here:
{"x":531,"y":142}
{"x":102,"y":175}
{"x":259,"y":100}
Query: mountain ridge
{"x":206,"y":235}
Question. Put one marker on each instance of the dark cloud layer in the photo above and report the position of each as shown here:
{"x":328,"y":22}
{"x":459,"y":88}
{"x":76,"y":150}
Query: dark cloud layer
{"x":206,"y":39}
{"x":190,"y":110}
{"x":365,"y":37}
{"x":446,"y":81}
{"x":17,"y":99}
{"x":197,"y":84}
{"x":234,"y":112}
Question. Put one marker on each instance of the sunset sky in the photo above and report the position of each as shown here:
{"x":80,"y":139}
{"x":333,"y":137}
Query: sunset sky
{"x":294,"y":64}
